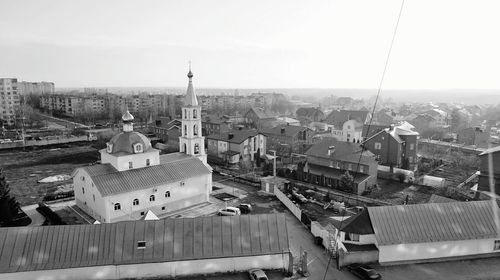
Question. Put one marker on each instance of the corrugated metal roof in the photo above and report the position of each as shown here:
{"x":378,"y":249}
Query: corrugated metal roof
{"x":434,"y":222}
{"x":172,"y":168}
{"x":71,"y":246}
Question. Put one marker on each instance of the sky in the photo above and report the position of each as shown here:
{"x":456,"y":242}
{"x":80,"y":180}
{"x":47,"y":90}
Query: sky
{"x":444,"y":44}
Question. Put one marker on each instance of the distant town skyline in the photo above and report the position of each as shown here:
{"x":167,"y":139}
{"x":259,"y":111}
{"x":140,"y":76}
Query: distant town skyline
{"x":237,"y":44}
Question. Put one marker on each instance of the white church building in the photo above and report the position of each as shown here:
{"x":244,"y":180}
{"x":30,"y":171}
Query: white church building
{"x":133,"y":178}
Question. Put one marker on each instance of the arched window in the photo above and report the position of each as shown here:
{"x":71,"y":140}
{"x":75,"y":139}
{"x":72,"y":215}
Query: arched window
{"x":167,"y":194}
{"x":196,"y":149}
{"x":136,"y":202}
{"x":194,"y":113}
{"x":152,"y":197}
{"x":117,"y":206}
{"x":195,"y":130}
{"x":148,"y":162}
{"x":185,"y":148}
{"x":185,"y":113}
{"x":185,"y":130}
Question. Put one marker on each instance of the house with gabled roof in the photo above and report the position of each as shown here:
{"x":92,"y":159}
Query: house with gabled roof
{"x":237,"y":145}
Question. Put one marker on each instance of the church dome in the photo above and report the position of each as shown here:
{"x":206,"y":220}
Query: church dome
{"x":129,"y":142}
{"x":127,"y":116}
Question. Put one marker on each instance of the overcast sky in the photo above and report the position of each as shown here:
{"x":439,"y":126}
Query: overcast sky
{"x":252,"y":44}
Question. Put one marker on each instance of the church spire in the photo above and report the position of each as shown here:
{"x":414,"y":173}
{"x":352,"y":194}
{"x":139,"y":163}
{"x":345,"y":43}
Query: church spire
{"x":190,"y":99}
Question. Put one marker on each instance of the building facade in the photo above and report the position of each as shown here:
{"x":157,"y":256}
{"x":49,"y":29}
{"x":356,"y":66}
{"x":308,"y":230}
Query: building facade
{"x":237,"y":145}
{"x":9,"y":101}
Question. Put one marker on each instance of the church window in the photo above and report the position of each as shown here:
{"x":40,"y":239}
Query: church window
{"x":138,"y":148}
{"x":195,"y":130}
{"x":185,"y":130}
{"x":196,"y":149}
{"x":83,"y":178}
{"x":136,"y":202}
{"x":83,"y":190}
{"x":185,"y":148}
{"x":130,"y":165}
{"x":185,"y":113}
{"x":117,"y":206}
{"x":152,"y":197}
{"x":93,"y":197}
{"x":194,"y":113}
{"x":148,"y":162}
{"x":167,"y":194}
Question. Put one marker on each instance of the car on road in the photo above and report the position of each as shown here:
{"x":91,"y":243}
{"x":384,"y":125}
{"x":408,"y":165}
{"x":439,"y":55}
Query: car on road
{"x":229,"y":211}
{"x":257,"y":274}
{"x":245,"y":208}
{"x":364,"y":272}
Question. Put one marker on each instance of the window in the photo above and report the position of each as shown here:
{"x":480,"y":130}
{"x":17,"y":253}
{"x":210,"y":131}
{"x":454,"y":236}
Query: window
{"x":195,"y":130}
{"x":349,"y":166}
{"x":83,"y":178}
{"x":361,"y":168}
{"x":196,"y":149}
{"x":497,"y":245}
{"x":378,"y":146}
{"x":354,"y":237}
{"x":109,"y":147}
{"x":117,"y":206}
{"x":142,"y":213}
{"x":93,"y":196}
{"x":130,"y":165}
{"x":185,"y":130}
{"x":410,"y":159}
{"x":194,"y":113}
{"x":141,"y":244}
{"x":163,"y":208}
{"x":138,"y":148}
{"x":412,"y":146}
{"x":148,"y":162}
{"x":136,"y":202}
{"x":152,"y":197}
{"x":83,"y":190}
{"x":167,"y":194}
{"x":185,"y":113}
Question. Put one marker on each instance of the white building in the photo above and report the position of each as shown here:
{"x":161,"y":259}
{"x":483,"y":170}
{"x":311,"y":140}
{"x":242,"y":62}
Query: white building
{"x":9,"y":101}
{"x":158,"y":249}
{"x":133,"y":178}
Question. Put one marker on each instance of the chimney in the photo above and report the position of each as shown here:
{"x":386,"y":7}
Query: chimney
{"x":282,"y":130}
{"x":230,"y":136}
{"x":331,"y":150}
{"x":391,"y":128}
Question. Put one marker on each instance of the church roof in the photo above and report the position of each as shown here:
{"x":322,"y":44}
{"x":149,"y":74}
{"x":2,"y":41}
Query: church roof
{"x":173,"y":167}
{"x":190,"y":99}
{"x":124,"y":142}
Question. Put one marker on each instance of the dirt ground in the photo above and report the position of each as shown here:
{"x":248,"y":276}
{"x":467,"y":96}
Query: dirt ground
{"x":23,"y":169}
{"x":396,"y":192}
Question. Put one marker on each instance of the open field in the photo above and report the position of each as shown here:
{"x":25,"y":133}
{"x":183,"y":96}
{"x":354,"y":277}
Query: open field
{"x":23,"y":169}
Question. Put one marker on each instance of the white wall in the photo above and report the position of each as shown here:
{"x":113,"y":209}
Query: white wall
{"x":138,"y":160}
{"x":162,"y":269}
{"x":422,"y":251}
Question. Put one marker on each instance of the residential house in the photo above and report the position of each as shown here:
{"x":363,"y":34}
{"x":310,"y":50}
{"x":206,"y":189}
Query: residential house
{"x":287,"y":121}
{"x":287,"y":139}
{"x":384,"y":117}
{"x":307,"y":115}
{"x":424,"y":122}
{"x":441,"y":117}
{"x":395,"y":146}
{"x":168,"y":131}
{"x":426,"y":232}
{"x":259,"y":118}
{"x":155,"y":249}
{"x":215,"y":124}
{"x":329,"y":160}
{"x":348,"y":124}
{"x":492,"y":156}
{"x":473,"y":136}
{"x":237,"y":145}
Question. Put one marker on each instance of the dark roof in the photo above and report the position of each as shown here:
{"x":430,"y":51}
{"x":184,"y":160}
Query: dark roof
{"x":339,"y":117}
{"x":434,"y":222}
{"x":238,"y":136}
{"x":344,"y":151}
{"x":261,"y":114}
{"x":424,"y":117}
{"x":173,"y":167}
{"x":72,"y":246}
{"x":215,"y":119}
{"x":124,"y":142}
{"x":335,"y":173}
{"x":289,"y":130}
{"x":359,"y":223}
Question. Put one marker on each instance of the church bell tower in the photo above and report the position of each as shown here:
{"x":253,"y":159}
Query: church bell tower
{"x":191,"y":140}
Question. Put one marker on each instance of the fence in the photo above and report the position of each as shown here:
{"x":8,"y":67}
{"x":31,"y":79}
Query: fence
{"x":288,"y":203}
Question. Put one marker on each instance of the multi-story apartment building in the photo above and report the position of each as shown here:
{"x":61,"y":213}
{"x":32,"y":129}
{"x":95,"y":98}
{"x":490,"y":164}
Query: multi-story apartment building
{"x":9,"y":101}
{"x":35,"y":88}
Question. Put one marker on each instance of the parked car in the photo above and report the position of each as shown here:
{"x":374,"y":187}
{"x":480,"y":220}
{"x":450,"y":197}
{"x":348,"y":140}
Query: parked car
{"x":257,"y":274}
{"x":364,"y":272}
{"x":229,"y":211}
{"x":245,"y":208}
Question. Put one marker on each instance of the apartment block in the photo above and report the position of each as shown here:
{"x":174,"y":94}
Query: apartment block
{"x":9,"y":101}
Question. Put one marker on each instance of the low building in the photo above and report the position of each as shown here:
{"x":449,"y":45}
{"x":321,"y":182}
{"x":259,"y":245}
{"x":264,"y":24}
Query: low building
{"x":473,"y":136}
{"x":485,"y":177}
{"x":395,"y":146}
{"x":328,"y":161}
{"x":287,"y":121}
{"x":237,"y":145}
{"x":259,"y":118}
{"x":215,"y":124}
{"x":287,"y":139}
{"x":425,"y":232}
{"x":424,"y":122}
{"x":339,"y":117}
{"x":167,"y":248}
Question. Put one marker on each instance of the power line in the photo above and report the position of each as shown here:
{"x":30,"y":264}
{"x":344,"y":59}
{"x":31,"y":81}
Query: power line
{"x":369,"y":124}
